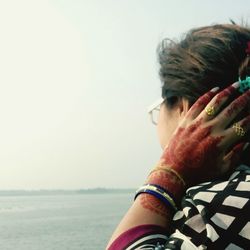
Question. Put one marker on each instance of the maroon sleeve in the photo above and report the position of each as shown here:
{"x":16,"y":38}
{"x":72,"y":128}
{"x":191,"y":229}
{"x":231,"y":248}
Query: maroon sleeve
{"x":133,"y":234}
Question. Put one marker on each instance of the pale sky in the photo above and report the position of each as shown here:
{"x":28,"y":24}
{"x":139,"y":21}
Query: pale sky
{"x":76,"y":80}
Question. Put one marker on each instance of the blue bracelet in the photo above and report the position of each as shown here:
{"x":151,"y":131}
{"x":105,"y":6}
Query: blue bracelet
{"x":158,"y":192}
{"x":157,"y":195}
{"x":163,"y":189}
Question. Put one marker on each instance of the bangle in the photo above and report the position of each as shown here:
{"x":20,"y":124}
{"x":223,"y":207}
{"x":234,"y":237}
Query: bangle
{"x":159,"y":193}
{"x":170,"y":170}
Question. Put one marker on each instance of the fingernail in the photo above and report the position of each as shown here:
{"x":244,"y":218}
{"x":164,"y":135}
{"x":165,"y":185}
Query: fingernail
{"x":236,"y":85}
{"x":214,"y":89}
{"x":246,"y":146}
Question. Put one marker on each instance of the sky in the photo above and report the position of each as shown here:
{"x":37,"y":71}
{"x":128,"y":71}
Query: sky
{"x":76,"y":79}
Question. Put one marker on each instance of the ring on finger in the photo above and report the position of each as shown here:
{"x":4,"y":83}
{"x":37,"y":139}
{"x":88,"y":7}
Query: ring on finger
{"x":210,"y":110}
{"x":238,"y":129}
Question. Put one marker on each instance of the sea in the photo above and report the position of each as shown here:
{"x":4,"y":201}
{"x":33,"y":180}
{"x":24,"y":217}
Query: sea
{"x":60,"y":222}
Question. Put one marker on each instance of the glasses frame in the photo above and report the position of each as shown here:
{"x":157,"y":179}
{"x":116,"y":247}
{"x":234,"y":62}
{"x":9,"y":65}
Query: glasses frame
{"x":155,"y":107}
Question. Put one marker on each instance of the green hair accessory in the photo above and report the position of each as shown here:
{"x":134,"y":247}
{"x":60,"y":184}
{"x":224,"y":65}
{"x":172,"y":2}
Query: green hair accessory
{"x":244,"y":84}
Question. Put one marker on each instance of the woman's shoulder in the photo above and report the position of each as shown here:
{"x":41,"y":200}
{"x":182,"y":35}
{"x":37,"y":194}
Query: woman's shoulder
{"x":240,"y":174}
{"x":216,"y":213}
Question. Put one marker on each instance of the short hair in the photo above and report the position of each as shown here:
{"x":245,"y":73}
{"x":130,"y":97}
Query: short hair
{"x":206,"y":57}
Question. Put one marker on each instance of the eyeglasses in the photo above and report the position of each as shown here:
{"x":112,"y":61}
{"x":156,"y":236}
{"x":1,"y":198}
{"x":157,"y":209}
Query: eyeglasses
{"x":154,"y":110}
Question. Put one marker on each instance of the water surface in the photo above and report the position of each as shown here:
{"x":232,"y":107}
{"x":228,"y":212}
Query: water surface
{"x":60,"y":222}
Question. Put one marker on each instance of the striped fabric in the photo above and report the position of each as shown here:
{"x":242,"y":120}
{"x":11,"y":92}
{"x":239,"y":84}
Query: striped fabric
{"x":213,"y":215}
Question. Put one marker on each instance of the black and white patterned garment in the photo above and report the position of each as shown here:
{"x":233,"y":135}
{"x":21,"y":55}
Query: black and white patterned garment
{"x":214,"y":215}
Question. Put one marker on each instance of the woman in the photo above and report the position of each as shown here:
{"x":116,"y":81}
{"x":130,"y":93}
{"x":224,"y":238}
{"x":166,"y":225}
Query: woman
{"x":197,"y":196}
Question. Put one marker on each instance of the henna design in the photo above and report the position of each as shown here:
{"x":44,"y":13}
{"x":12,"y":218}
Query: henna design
{"x":238,"y":104}
{"x":153,"y":204}
{"x":225,"y":94}
{"x":205,"y":99}
{"x":202,"y":101}
{"x":193,"y":154}
{"x":236,"y":154}
{"x":246,"y":122}
{"x":168,"y":181}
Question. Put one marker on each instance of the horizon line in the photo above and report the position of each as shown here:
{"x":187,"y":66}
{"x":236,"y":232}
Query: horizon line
{"x":68,"y":189}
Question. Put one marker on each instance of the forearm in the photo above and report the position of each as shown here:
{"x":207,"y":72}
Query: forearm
{"x":148,"y":209}
{"x":139,"y":215}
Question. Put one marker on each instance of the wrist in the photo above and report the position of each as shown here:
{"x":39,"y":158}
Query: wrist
{"x":158,"y":192}
{"x":169,"y":180}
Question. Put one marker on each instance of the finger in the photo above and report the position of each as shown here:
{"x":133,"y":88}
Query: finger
{"x":233,"y":158}
{"x":201,"y":103}
{"x":216,"y":104}
{"x":237,"y":131}
{"x":229,"y":113}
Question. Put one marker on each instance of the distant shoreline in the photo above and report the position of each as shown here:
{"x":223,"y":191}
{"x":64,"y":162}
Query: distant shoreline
{"x":67,"y":192}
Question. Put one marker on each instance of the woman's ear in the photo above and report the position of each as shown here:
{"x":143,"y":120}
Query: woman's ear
{"x":183,"y":107}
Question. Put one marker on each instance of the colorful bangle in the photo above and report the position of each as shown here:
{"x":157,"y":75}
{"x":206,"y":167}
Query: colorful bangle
{"x":169,"y":170}
{"x":159,"y":193}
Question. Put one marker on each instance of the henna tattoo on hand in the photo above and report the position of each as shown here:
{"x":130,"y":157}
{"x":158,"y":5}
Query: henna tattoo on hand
{"x":246,"y":122}
{"x":201,"y":102}
{"x":168,"y":181}
{"x":239,"y":104}
{"x":193,"y":152}
{"x":153,"y":204}
{"x":225,"y":94}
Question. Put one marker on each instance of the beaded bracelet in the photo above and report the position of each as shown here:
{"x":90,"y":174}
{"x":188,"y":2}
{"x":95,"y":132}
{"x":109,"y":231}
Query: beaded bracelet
{"x":159,"y":193}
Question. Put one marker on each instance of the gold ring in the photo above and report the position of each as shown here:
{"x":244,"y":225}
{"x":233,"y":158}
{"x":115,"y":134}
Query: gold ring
{"x":238,"y":129}
{"x":210,"y":110}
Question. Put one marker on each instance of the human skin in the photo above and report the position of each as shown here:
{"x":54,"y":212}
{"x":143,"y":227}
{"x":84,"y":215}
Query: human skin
{"x":188,"y":148}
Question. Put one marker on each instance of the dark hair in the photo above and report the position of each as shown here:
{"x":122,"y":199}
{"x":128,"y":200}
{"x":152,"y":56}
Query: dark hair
{"x":206,"y":57}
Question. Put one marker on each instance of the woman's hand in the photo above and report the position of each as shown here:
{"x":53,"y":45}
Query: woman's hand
{"x":208,"y":142}
{"x":204,"y":146}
